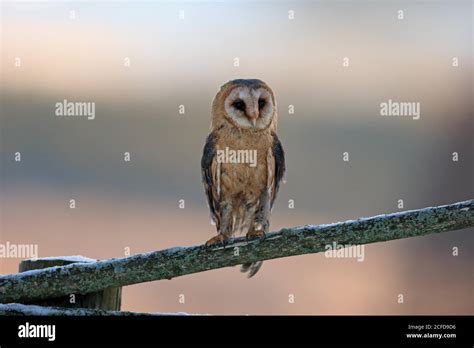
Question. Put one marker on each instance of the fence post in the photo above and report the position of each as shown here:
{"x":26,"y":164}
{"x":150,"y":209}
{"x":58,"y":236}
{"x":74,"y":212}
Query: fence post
{"x":107,"y":299}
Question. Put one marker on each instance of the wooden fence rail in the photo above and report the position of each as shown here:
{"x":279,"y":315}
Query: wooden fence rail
{"x":82,"y":278}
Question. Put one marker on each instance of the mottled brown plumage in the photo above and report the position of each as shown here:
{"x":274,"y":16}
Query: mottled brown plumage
{"x":241,"y":193}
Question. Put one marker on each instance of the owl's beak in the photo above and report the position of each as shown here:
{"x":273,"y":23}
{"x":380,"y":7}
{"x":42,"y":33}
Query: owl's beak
{"x":253,"y":117}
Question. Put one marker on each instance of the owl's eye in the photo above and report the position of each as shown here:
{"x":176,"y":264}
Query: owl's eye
{"x":261,"y":104}
{"x":239,"y":105}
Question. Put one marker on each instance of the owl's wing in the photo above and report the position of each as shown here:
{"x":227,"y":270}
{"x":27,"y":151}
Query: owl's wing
{"x":278,"y":170}
{"x":211,"y":177}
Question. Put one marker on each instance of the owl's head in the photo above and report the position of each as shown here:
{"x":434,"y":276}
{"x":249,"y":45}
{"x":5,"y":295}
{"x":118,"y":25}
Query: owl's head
{"x":245,"y":104}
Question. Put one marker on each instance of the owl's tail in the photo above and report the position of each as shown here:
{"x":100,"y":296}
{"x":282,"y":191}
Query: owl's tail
{"x":251,"y":268}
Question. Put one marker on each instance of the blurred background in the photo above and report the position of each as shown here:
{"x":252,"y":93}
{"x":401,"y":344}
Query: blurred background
{"x":76,"y":51}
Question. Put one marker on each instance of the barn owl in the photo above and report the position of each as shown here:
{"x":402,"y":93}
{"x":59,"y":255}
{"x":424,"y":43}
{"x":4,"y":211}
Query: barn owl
{"x":243,"y":162}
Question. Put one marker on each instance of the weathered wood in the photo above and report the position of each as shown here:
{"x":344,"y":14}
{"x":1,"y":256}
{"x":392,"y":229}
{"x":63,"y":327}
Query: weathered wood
{"x":106,"y":299}
{"x":175,"y":262}
{"x":15,"y":309}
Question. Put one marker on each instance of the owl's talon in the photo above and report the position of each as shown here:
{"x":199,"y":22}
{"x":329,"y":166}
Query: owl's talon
{"x":255,"y":234}
{"x":216,"y":240}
